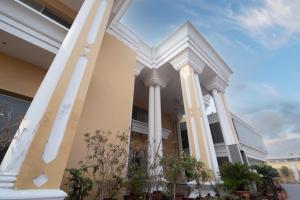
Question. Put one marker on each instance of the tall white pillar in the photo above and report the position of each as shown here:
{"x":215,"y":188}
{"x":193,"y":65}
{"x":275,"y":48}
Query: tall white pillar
{"x":179,"y":138}
{"x":158,"y":127}
{"x":224,"y":123}
{"x":54,"y":111}
{"x":153,"y":79}
{"x":208,"y":136}
{"x":151,"y":128}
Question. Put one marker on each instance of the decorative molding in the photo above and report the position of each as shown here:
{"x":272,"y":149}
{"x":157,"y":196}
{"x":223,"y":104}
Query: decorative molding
{"x":218,"y":84}
{"x":221,"y":150}
{"x":40,"y":180}
{"x":138,"y":68}
{"x":39,"y":194}
{"x":185,"y":45}
{"x":188,"y":57}
{"x":154,"y":77}
{"x":28,"y":24}
{"x":142,"y":127}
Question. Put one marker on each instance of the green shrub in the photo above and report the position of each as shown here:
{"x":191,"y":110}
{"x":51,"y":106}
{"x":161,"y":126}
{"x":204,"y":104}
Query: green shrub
{"x":285,"y":171}
{"x":137,"y":180}
{"x":237,"y":177}
{"x":78,"y":184}
{"x":266,"y":170}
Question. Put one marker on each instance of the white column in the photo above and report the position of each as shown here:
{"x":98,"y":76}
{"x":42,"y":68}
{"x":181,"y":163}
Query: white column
{"x":179,"y":138}
{"x":210,"y":144}
{"x":225,"y":127}
{"x":18,"y":148}
{"x":151,"y":128}
{"x":158,"y":126}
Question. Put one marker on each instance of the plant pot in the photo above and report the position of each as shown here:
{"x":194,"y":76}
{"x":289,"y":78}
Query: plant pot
{"x":156,"y":195}
{"x":130,"y":197}
{"x":245,"y":194}
{"x":179,"y":196}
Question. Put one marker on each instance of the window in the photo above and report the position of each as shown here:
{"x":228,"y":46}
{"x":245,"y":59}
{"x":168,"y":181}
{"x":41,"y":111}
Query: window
{"x":216,"y":133}
{"x":12,"y":111}
{"x":139,"y":114}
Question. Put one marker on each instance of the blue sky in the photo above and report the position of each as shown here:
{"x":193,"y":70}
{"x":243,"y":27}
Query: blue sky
{"x":260,"y":40}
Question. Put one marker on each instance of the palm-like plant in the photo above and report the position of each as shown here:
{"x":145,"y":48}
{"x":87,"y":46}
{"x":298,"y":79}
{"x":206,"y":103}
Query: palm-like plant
{"x":237,"y":177}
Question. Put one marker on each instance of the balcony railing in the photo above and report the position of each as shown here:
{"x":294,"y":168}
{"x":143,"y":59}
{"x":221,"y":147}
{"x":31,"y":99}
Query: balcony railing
{"x":142,"y":127}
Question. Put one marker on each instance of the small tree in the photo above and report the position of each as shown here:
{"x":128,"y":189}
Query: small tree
{"x":79,"y":185}
{"x":285,"y":171}
{"x":173,"y":169}
{"x":137,"y":180}
{"x":201,"y":174}
{"x":106,"y":161}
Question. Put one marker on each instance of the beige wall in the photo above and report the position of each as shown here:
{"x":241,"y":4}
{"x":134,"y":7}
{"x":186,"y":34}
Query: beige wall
{"x":19,"y":77}
{"x":278,"y":165}
{"x":108,"y":105}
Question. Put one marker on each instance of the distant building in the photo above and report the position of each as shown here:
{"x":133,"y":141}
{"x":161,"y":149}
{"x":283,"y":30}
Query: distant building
{"x":292,"y":162}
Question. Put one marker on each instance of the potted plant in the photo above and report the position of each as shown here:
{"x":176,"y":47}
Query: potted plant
{"x":79,"y":185}
{"x":237,"y":178}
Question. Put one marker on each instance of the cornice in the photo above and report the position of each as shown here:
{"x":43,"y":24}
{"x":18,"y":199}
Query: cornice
{"x":185,"y":46}
{"x":188,"y":57}
{"x":217,"y":83}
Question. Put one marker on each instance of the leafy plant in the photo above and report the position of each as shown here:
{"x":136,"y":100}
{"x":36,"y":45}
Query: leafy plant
{"x":201,"y":174}
{"x":285,"y":171}
{"x":266,"y":170}
{"x":106,"y":161}
{"x":79,"y":185}
{"x":173,"y":168}
{"x":137,"y":180}
{"x":237,"y":177}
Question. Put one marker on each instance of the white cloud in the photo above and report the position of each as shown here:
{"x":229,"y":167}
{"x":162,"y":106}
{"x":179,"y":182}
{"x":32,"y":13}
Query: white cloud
{"x":273,"y":24}
{"x":282,"y":138}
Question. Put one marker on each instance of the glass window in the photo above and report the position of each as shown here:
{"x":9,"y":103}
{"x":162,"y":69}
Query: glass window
{"x":12,"y":111}
{"x":216,"y":132}
{"x":139,"y":114}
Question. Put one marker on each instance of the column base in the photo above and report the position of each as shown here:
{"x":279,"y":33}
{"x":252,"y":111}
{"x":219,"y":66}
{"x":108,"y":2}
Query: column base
{"x":37,"y":194}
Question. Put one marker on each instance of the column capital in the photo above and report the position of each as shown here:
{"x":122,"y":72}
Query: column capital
{"x":188,"y":57}
{"x":218,"y":84}
{"x":154,"y":77}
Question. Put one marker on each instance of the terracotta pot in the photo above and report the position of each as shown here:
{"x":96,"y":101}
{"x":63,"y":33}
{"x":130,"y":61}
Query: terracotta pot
{"x":156,"y":195}
{"x":179,"y":196}
{"x":245,"y":194}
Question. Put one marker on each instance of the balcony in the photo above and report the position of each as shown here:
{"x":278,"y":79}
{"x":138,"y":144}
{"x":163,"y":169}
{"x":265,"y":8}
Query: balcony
{"x":142,"y":127}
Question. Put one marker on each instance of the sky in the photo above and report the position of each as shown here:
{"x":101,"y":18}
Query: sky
{"x":259,"y":40}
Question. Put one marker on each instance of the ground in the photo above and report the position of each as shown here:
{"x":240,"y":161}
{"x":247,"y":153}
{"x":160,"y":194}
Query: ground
{"x":293,"y":191}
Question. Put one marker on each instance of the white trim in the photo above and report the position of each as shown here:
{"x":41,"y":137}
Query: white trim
{"x":26,"y":23}
{"x":40,"y":194}
{"x":221,"y":150}
{"x":142,"y":127}
{"x":185,"y":39}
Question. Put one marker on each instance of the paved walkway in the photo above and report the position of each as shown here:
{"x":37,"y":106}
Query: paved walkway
{"x":293,"y":191}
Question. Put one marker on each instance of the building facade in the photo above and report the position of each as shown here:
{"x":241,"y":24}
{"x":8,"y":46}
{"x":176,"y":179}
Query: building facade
{"x":71,"y":67}
{"x":292,"y":163}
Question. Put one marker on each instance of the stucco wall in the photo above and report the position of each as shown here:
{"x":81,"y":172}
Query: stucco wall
{"x":108,"y":105}
{"x":19,"y":77}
